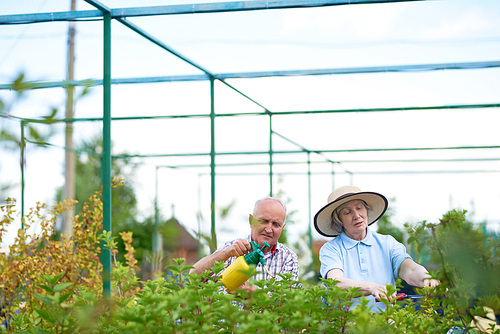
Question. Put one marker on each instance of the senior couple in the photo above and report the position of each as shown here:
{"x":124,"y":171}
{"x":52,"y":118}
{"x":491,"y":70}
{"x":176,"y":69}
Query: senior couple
{"x":357,"y":256}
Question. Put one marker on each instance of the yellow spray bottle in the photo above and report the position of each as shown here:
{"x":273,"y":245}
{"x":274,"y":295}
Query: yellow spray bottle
{"x":233,"y":277}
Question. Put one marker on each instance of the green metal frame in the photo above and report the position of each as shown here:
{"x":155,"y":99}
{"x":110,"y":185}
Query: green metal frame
{"x":107,"y":15}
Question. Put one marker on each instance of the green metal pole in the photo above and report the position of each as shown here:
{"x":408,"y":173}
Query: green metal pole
{"x":106,"y":157}
{"x":333,"y":176}
{"x":270,"y":155}
{"x":213,"y":234}
{"x":155,"y":233}
{"x":198,"y":217}
{"x":310,"y":212}
{"x":23,"y":145}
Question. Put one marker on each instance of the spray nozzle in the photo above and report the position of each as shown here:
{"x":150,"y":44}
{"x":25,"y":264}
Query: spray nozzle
{"x":256,"y":255}
{"x":256,"y":245}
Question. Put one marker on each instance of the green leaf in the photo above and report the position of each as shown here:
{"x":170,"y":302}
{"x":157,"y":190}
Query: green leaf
{"x":65,"y":296}
{"x":46,"y":288}
{"x":50,"y":118}
{"x":52,"y":280}
{"x":173,"y":268}
{"x":62,"y":286}
{"x":187,"y":267}
{"x":85,"y":91}
{"x":47,"y":316}
{"x":33,"y":132}
{"x":44,"y":299}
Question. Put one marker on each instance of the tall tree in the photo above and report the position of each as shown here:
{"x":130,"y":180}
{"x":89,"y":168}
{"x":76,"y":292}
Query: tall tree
{"x":88,"y":181}
{"x":385,"y":226}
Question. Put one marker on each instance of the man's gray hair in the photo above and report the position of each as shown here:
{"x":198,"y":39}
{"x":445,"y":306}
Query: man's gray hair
{"x":337,"y":225}
{"x":269,"y":197}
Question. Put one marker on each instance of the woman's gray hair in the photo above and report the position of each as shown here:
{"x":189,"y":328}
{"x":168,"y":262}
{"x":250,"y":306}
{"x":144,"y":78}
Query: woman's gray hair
{"x":269,"y":197}
{"x":337,"y":225}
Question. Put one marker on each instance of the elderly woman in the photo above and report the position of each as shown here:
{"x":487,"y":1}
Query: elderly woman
{"x":360,"y":257}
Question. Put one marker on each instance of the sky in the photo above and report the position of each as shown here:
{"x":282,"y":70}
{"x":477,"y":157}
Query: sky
{"x":368,"y":35}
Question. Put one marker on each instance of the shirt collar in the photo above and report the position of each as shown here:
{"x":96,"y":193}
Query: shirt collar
{"x":273,"y":249}
{"x":350,"y":243}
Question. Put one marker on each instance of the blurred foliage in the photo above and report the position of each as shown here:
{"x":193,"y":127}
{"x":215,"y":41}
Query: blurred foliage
{"x":290,"y":214}
{"x":88,"y":181}
{"x":54,"y":287}
{"x":37,"y":131}
{"x":385,"y":226}
{"x":468,"y":256}
{"x":123,"y":202}
{"x":211,"y":240}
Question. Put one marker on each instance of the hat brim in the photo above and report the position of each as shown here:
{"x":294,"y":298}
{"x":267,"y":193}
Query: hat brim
{"x":323,"y":218}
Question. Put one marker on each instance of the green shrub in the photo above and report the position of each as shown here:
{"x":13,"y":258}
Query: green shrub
{"x":55,"y":287}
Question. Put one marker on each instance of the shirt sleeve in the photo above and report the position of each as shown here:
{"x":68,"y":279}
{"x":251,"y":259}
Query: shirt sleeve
{"x":231,"y":259}
{"x":291,"y":265}
{"x":398,"y":255}
{"x":330,"y":258}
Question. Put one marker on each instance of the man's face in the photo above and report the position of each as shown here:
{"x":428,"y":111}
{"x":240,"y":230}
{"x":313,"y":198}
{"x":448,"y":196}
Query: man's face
{"x":267,"y":222}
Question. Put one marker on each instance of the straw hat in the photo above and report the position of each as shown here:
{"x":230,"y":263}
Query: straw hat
{"x":323,"y":218}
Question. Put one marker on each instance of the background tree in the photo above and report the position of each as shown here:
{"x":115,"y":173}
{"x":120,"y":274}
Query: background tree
{"x":385,"y":226}
{"x":124,"y":202}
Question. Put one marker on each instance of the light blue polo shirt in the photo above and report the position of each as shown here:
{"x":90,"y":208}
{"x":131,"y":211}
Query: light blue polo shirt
{"x":376,"y":258}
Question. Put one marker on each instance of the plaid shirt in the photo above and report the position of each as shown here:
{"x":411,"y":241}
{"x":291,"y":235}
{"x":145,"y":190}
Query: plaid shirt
{"x":282,"y":260}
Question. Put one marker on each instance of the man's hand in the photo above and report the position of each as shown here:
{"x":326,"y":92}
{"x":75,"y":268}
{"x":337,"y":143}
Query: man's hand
{"x":247,"y":287}
{"x":239,"y":248}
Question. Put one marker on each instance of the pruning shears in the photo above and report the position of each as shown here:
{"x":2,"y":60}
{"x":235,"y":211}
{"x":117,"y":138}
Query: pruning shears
{"x":402,"y":296}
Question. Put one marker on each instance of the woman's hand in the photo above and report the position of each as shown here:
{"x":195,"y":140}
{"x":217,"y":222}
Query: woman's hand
{"x":431,"y":282}
{"x":379,"y":291}
{"x":416,"y":275}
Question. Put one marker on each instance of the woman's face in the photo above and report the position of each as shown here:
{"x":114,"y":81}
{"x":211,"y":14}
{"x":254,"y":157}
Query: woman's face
{"x":355,"y":219}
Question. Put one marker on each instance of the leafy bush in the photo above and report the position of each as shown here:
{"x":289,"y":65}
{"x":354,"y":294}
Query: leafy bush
{"x":55,"y":287}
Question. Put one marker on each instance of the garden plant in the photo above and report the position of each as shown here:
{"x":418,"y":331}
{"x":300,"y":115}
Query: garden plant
{"x":54,"y":285}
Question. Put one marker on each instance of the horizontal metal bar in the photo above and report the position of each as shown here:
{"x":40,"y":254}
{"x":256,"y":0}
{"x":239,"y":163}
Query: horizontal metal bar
{"x":458,"y":106}
{"x":202,"y":8}
{"x":471,"y":171}
{"x":476,"y":171}
{"x":49,"y":17}
{"x":128,"y":156}
{"x":364,"y":70}
{"x":73,"y":120}
{"x":326,"y":162}
{"x":249,"y":75}
{"x":312,"y":151}
{"x":234,"y":6}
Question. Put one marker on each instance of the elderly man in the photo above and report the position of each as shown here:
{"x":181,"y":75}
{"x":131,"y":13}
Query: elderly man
{"x":266,"y":225}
